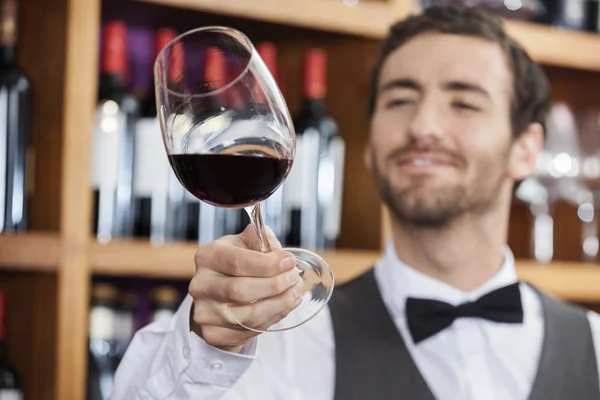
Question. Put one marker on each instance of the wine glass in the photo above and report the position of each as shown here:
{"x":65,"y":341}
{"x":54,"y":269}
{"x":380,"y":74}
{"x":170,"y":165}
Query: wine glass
{"x":231,"y":141}
{"x":556,"y":168}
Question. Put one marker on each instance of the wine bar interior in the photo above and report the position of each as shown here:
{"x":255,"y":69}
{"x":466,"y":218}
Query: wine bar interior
{"x":99,"y":225}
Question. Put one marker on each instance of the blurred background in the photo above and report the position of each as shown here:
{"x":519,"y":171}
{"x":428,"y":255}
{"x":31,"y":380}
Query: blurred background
{"x":78,"y":127}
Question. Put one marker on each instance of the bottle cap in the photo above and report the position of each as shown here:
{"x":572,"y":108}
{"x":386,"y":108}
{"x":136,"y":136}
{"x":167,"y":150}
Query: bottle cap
{"x":215,"y":68}
{"x":175,"y":65}
{"x":8,"y":23}
{"x":104,"y":292}
{"x":315,"y":67}
{"x":165,"y":295}
{"x":114,"y":48}
{"x":268,"y":52}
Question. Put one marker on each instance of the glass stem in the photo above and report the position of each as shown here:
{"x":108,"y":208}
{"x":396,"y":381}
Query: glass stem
{"x":256,"y":219}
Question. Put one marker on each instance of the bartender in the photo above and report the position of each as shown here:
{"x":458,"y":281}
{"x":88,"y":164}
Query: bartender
{"x":457,"y":111}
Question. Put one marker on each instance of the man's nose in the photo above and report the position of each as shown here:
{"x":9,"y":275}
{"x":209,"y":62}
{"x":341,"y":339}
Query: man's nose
{"x":426,"y":123}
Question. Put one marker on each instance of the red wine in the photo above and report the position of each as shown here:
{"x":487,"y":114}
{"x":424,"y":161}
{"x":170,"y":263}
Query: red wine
{"x":229,"y":180}
{"x":15,"y":130}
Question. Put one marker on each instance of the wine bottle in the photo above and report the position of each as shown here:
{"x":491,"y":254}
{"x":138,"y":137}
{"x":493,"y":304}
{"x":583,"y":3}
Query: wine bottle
{"x":164,"y":300}
{"x":15,"y":127}
{"x":313,"y":188}
{"x":571,"y":14}
{"x":104,"y":348}
{"x":273,"y":207}
{"x":114,"y":140}
{"x":212,"y":221}
{"x":592,"y":16}
{"x":152,"y":172}
{"x":10,"y":388}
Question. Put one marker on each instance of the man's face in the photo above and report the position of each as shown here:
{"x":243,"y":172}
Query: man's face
{"x":441,"y":144}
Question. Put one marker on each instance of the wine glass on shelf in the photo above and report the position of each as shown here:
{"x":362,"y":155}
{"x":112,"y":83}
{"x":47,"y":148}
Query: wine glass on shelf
{"x":557,"y":166}
{"x":588,"y":120}
{"x":231,"y":143}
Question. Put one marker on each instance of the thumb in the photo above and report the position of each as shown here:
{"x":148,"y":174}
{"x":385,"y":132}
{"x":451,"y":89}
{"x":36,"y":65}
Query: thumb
{"x":249,"y":239}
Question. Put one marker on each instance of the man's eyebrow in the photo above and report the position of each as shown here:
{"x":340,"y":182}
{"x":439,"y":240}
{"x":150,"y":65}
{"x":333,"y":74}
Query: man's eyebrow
{"x":401,"y":83}
{"x":464,"y":86}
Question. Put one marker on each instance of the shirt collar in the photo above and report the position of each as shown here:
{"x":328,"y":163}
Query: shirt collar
{"x":397,"y":281}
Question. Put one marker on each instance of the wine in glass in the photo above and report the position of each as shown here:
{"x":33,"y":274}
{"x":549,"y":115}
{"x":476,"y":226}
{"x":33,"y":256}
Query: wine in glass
{"x":231,"y":143}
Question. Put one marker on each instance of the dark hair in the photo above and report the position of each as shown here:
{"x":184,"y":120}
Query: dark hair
{"x":531,"y":92}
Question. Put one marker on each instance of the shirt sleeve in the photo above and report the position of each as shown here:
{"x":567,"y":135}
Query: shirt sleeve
{"x":167,"y":360}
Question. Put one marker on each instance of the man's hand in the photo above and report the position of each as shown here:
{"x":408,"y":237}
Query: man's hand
{"x":260,"y":288}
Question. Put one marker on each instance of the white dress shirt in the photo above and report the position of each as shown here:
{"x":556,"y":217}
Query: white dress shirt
{"x":473,"y":359}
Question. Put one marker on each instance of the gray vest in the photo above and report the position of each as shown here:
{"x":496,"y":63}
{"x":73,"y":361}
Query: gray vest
{"x":372,"y":361}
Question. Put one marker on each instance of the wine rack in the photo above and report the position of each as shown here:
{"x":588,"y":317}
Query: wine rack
{"x":49,"y":269}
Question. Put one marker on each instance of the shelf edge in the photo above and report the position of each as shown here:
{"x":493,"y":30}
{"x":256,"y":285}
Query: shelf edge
{"x":30,"y":252}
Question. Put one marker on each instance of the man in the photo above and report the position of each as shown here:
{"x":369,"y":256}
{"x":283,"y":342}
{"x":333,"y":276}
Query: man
{"x":457,"y":113}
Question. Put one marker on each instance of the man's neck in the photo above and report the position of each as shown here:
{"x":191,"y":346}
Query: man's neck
{"x":464,"y":255}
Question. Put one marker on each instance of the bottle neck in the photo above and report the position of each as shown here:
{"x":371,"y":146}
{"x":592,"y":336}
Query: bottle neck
{"x":315,"y":106}
{"x":8,"y":56}
{"x":111,"y":84}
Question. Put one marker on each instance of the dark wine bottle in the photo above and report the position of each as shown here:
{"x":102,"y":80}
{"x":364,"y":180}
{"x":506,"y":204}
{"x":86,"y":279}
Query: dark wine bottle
{"x":272,"y":208}
{"x":211,"y":221}
{"x":15,"y":127}
{"x":103,"y":347}
{"x":114,"y":140}
{"x":313,"y":188}
{"x":10,"y":388}
{"x":152,"y":173}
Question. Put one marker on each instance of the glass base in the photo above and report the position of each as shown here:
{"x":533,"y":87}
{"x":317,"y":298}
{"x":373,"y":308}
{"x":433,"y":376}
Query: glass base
{"x":318,"y":288}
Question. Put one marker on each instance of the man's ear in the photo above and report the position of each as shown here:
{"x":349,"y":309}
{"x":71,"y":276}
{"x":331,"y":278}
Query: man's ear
{"x":524,"y":152}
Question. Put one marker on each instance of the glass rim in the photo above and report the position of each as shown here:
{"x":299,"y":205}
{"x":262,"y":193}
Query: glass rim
{"x":179,"y":38}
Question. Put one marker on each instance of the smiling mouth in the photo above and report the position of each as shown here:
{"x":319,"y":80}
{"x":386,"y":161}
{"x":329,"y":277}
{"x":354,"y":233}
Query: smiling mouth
{"x":424,"y":162}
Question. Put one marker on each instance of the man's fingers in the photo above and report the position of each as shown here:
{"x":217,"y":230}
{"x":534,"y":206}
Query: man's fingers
{"x":249,"y":239}
{"x":264,"y":313}
{"x":259,"y":314}
{"x":228,"y":289}
{"x":236,"y":261}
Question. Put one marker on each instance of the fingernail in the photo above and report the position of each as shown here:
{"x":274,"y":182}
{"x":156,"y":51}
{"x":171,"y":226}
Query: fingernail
{"x":287,"y":263}
{"x":292,"y":276}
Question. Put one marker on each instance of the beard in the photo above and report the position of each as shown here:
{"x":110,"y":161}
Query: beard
{"x":417,"y":206}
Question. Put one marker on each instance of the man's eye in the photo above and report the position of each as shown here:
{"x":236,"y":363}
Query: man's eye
{"x":465,"y":106}
{"x":398,"y":103}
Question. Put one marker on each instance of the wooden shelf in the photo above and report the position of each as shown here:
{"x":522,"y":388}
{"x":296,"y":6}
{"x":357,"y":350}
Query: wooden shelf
{"x":65,"y":79}
{"x":574,"y":281}
{"x":137,"y":258}
{"x":31,"y":251}
{"x":569,"y":280}
{"x":557,"y":47}
{"x":366,"y":19}
{"x":548,"y":45}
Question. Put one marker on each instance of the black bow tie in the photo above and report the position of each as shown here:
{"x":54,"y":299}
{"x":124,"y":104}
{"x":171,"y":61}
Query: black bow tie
{"x":428,"y":317}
